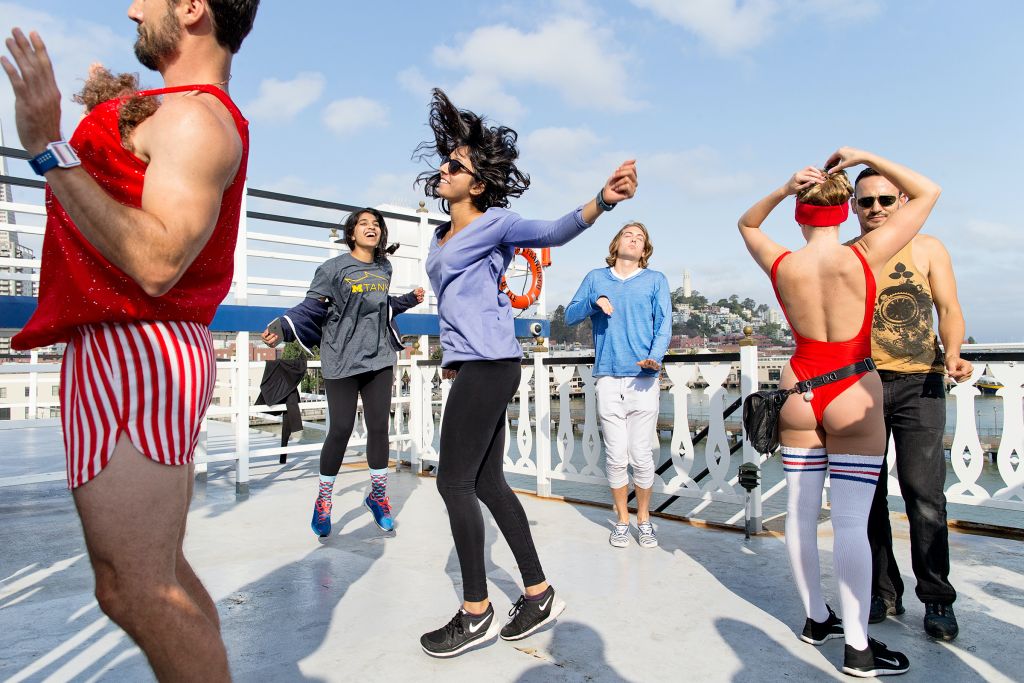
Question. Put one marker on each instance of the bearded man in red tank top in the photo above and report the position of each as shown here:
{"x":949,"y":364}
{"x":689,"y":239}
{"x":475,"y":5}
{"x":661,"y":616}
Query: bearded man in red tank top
{"x":141,"y":226}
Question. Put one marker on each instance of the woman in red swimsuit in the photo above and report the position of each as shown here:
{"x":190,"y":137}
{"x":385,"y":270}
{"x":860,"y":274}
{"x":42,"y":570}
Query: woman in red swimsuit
{"x":827,"y":291}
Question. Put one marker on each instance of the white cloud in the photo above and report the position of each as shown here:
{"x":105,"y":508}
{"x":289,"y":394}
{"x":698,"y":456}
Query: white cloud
{"x":698,"y":172}
{"x":571,"y":56}
{"x":735,"y":26}
{"x":394,"y":188}
{"x":72,"y":46}
{"x":728,"y":25}
{"x":559,"y":144}
{"x":412,"y":80}
{"x":483,"y":93}
{"x":283,"y":100}
{"x":347,"y":116}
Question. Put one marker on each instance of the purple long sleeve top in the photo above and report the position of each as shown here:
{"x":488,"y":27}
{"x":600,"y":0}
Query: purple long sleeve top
{"x":476,"y":319}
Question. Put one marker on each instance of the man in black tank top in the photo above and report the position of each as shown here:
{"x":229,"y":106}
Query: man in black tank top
{"x":913,"y":368}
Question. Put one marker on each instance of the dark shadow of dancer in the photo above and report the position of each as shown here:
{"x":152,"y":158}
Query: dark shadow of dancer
{"x":576,"y":654}
{"x":275,"y":622}
{"x":764,"y":658}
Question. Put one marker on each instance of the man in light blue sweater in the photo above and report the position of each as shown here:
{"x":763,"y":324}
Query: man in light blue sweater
{"x":631,"y":310}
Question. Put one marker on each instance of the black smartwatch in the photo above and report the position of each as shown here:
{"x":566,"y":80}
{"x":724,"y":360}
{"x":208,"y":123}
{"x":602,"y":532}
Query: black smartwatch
{"x":601,"y":203}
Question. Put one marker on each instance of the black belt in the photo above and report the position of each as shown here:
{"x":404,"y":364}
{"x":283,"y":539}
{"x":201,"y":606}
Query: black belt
{"x":808,"y":385}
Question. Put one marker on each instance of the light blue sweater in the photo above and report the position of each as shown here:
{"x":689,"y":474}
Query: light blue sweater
{"x":640,"y":326}
{"x":475,"y":317}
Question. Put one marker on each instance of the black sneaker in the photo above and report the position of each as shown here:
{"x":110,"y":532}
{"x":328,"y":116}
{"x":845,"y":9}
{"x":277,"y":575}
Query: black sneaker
{"x":817,"y":633}
{"x":880,"y":609}
{"x":530,"y":615}
{"x":940,"y":622}
{"x":461,"y":633}
{"x":874,"y":660}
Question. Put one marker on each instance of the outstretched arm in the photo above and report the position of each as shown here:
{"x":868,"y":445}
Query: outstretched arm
{"x":193,"y":157}
{"x":881,"y":244}
{"x":583,"y":304}
{"x":523,"y":232}
{"x":401,"y":304}
{"x":761,"y":247}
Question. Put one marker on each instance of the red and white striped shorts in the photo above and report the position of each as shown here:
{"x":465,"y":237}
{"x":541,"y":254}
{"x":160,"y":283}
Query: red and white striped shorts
{"x":152,"y":381}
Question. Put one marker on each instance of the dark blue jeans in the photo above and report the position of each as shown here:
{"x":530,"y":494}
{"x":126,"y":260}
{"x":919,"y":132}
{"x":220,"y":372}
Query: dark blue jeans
{"x":915,"y":416}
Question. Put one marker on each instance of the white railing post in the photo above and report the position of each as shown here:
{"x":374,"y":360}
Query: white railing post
{"x":542,"y":405}
{"x":748,"y":385}
{"x":415,"y":425}
{"x":241,"y":410}
{"x":33,"y":387}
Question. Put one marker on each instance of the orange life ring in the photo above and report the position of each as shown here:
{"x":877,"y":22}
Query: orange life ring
{"x":523,"y":301}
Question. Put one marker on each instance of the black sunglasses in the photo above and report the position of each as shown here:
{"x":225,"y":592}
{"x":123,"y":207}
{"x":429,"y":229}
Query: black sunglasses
{"x":456,"y":166}
{"x":884,"y":200}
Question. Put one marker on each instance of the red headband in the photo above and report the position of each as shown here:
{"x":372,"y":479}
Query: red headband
{"x":821,"y":216}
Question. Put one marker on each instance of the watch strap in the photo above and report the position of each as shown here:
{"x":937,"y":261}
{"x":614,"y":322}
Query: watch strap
{"x":601,"y":203}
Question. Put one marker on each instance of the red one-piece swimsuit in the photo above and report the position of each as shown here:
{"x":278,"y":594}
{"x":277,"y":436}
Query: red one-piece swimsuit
{"x":814,"y":357}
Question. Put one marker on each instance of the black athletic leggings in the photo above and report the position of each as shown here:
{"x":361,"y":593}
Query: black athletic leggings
{"x":470,"y":468}
{"x":375,"y":388}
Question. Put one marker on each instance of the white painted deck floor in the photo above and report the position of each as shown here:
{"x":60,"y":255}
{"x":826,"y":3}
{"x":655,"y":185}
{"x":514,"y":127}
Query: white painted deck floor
{"x":704,"y":606}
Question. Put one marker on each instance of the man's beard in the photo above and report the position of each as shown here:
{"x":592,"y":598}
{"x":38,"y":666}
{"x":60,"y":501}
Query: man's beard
{"x":154,"y":47}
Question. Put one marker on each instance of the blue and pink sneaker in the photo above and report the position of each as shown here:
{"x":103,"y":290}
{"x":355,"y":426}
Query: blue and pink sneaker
{"x":321,"y":523}
{"x":381,"y":511}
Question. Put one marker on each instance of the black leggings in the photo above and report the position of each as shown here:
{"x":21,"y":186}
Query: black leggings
{"x":375,"y":388}
{"x":470,"y":468}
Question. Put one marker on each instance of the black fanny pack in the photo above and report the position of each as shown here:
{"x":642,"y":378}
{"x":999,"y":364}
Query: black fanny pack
{"x":761,"y":409}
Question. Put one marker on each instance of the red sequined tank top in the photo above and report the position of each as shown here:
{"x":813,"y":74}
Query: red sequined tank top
{"x":79,"y":286}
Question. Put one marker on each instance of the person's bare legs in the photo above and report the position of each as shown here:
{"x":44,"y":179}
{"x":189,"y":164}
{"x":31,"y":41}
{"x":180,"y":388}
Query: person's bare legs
{"x":643,"y":504}
{"x":620,"y":499}
{"x":133,"y":518}
{"x":183,"y":570}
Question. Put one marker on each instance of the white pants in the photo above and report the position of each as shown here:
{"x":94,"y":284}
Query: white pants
{"x":628,"y":410}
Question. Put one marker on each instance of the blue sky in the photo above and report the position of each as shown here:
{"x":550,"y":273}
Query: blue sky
{"x":718,"y":100}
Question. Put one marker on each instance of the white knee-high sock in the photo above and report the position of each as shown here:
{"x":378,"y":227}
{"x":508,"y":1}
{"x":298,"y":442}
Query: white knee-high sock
{"x":853,"y":479}
{"x":805,"y":477}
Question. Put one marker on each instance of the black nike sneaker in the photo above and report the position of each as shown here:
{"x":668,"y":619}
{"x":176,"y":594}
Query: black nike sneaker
{"x":817,"y":633}
{"x":880,"y":609}
{"x":460,"y":634}
{"x":529,"y":615}
{"x":874,"y":660}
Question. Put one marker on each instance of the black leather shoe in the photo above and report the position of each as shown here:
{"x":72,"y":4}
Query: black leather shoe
{"x":940,"y":622}
{"x":880,"y":609}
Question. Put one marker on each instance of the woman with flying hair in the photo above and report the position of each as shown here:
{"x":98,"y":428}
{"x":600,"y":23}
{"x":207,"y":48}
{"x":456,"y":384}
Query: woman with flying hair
{"x":833,"y":421}
{"x":475,"y":178}
{"x":630,"y":307}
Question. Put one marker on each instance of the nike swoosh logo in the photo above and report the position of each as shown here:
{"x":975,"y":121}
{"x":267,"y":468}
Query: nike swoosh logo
{"x":891,"y":662}
{"x":544,"y":605}
{"x":473,"y":628}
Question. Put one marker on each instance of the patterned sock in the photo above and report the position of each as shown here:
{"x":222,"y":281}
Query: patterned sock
{"x":326,"y":487}
{"x":379,"y":484}
{"x":853,"y":480}
{"x":805,"y":478}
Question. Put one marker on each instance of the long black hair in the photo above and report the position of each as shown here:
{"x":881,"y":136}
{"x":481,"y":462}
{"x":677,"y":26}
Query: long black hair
{"x":382,"y":250}
{"x":491,"y":149}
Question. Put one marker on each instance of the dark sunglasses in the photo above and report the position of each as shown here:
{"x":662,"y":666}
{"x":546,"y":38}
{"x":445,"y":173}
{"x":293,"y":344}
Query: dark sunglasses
{"x":456,"y":166}
{"x":884,"y":200}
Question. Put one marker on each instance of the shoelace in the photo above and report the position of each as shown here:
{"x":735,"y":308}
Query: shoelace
{"x":621,"y":530}
{"x":385,"y":504}
{"x":518,"y":606}
{"x":646,"y":528}
{"x":323,"y":509}
{"x":455,"y":625}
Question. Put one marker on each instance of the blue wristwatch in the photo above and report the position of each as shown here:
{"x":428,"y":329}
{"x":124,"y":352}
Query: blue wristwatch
{"x":58,"y":154}
{"x":601,"y":203}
